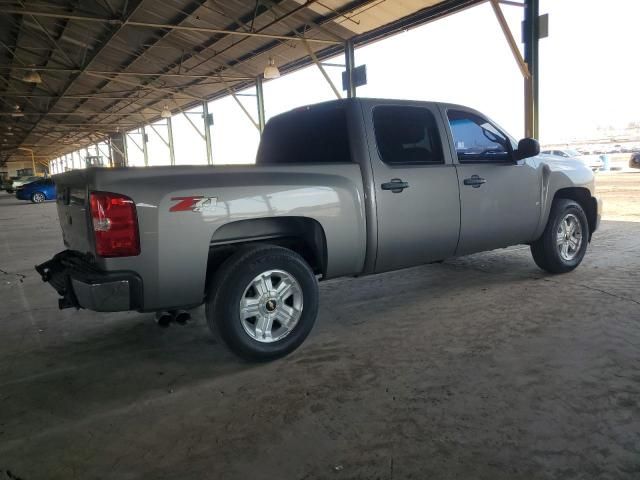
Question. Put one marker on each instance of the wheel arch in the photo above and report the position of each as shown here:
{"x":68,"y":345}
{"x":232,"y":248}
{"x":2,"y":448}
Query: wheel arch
{"x":582,"y":196}
{"x":303,"y":235}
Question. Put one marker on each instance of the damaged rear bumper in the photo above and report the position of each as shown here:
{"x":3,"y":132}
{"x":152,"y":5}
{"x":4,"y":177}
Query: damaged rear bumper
{"x":83,"y":285}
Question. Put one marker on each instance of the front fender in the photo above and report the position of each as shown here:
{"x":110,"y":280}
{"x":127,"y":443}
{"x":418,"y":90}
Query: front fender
{"x":566,"y":178}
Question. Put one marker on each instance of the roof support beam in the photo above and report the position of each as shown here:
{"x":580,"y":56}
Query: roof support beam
{"x":212,"y":42}
{"x":513,"y":45}
{"x":529,"y":63}
{"x":95,"y":96}
{"x":132,"y":74}
{"x":184,"y":16}
{"x":53,"y":41}
{"x":131,"y":7}
{"x":110,"y":21}
{"x":322,"y":70}
{"x":144,"y":87}
{"x":81,"y":114}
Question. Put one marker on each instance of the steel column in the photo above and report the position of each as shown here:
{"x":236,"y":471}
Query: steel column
{"x":107,"y":153}
{"x":109,"y":146}
{"x":349,"y":54}
{"x":144,"y":146}
{"x":125,"y":149}
{"x":260,"y":100}
{"x":118,"y":150}
{"x":172,"y":154}
{"x":207,"y":133}
{"x":531,"y":36}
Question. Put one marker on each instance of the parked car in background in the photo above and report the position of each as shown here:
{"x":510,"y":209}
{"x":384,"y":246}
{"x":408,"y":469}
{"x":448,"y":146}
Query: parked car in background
{"x":592,"y":161}
{"x":7,"y":183}
{"x":634,"y":160}
{"x":20,"y":181}
{"x":38,"y":191}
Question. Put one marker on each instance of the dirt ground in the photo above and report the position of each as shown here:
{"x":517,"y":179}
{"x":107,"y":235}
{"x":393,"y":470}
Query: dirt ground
{"x":481,"y":367}
{"x":621,"y":192}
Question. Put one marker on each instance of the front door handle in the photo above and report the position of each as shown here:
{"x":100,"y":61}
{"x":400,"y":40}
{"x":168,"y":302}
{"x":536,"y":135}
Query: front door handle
{"x":395,"y":185}
{"x":475,"y":181}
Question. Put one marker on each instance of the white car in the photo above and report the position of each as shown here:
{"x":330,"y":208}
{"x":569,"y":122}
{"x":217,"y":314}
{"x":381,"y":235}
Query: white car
{"x":20,"y":181}
{"x":592,"y":161}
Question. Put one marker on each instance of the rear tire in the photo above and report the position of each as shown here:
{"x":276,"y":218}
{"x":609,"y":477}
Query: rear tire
{"x":263,"y":302}
{"x":38,"y":197}
{"x":563,"y":244}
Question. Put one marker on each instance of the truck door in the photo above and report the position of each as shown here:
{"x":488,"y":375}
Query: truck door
{"x":416,"y":188}
{"x":500,"y":198}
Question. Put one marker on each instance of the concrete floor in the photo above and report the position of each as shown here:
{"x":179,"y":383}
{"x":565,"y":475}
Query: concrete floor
{"x":481,"y":367}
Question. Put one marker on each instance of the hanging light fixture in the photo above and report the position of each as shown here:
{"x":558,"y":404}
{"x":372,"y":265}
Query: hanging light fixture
{"x":165,"y":113}
{"x":271,"y":71}
{"x":32,"y":76}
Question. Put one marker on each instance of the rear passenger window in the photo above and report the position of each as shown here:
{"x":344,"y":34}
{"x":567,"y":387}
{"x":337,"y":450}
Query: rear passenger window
{"x":407,"y":135}
{"x":309,"y":135}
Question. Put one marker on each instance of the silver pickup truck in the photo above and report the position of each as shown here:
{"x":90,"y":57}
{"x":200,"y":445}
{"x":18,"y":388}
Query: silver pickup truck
{"x":349,"y":187}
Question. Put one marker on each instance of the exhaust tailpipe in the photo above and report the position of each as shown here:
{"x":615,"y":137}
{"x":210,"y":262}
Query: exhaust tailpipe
{"x":182,"y":316}
{"x":163,"y":319}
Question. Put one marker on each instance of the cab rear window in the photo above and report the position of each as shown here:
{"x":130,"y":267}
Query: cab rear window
{"x":308,"y":135}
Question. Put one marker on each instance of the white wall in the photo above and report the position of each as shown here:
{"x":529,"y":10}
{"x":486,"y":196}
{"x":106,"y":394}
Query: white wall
{"x":11,"y":168}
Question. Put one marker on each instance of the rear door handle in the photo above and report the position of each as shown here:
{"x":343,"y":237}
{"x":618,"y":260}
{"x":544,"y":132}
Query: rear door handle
{"x":475,"y":181}
{"x":395,"y":185}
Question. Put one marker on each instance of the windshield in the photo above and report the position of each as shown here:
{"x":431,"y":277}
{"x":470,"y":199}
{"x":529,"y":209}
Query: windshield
{"x":573,"y":153}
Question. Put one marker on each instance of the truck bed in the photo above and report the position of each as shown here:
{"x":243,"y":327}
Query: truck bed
{"x":175,"y":238}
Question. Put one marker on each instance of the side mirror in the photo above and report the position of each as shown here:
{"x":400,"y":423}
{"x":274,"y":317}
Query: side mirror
{"x":527,"y":148}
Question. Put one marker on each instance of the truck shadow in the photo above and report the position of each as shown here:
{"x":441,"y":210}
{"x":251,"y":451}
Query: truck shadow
{"x":116,"y":363}
{"x":131,"y":360}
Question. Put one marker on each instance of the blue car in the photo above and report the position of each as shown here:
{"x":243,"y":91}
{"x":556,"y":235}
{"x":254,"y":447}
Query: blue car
{"x":37,"y":191}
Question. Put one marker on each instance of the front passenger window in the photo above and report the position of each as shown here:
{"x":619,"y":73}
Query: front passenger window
{"x":476,"y":139}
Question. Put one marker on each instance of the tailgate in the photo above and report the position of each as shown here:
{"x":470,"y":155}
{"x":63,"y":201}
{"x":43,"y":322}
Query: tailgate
{"x":73,"y":210}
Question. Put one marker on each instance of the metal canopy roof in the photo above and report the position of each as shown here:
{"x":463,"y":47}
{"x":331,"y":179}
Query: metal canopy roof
{"x":111,"y":65}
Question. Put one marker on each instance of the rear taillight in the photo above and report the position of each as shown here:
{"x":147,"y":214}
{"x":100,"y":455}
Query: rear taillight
{"x":115,"y":225}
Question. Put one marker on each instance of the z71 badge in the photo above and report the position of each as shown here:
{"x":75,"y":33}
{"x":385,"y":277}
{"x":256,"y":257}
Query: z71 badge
{"x":194,"y":204}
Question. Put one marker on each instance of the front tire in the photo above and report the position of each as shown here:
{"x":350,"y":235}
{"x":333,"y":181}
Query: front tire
{"x":263,"y":302}
{"x":38,"y":197}
{"x":563,"y":244}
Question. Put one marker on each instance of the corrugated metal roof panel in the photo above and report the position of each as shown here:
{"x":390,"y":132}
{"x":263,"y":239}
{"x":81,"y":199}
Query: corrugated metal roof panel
{"x":109,"y":55}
